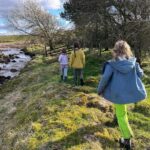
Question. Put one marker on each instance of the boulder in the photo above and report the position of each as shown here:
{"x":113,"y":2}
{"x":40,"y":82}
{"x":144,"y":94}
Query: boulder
{"x":17,"y":57}
{"x":3,"y":79}
{"x":13,"y":61}
{"x":11,"y":56}
{"x":4,"y":59}
{"x":13,"y":70}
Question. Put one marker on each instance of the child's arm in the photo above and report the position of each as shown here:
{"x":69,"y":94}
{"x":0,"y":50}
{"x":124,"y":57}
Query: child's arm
{"x":139,"y":71}
{"x":105,"y":78}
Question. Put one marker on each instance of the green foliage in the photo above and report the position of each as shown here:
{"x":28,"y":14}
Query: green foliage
{"x":99,"y":27}
{"x":36,"y":48}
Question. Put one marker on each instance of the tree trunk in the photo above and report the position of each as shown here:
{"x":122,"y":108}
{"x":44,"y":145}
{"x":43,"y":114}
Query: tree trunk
{"x":50,"y":45}
{"x":137,"y":52}
{"x":45,"y":50}
{"x":91,"y":47}
{"x":100,"y":50}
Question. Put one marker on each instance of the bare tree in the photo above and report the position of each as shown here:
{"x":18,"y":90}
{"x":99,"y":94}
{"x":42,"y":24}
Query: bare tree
{"x":31,"y":19}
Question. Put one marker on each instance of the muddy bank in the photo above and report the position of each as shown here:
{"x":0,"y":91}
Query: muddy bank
{"x":12,"y":61}
{"x":18,"y":45}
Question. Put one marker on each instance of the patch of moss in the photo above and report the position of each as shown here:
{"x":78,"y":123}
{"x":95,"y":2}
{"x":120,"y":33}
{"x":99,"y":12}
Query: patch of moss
{"x":143,"y":108}
{"x":36,"y":126}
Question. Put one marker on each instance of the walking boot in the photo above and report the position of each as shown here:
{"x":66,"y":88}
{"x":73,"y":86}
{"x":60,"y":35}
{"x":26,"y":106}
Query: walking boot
{"x":125,"y":143}
{"x":81,"y":82}
{"x":61,"y":78}
{"x":65,"y":79}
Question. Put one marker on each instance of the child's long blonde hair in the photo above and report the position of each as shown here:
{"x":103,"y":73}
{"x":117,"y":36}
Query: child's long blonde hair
{"x":122,"y":48}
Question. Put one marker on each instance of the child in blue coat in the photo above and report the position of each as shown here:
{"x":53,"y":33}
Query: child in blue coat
{"x":121,"y":84}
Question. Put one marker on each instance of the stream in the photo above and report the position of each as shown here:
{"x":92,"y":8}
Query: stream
{"x":12,"y":62}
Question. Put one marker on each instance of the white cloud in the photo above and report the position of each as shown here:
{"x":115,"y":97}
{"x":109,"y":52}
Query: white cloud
{"x":7,"y":5}
{"x":52,"y":4}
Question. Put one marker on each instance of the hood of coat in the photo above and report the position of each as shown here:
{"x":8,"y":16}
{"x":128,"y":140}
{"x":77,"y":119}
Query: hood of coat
{"x":123,"y":65}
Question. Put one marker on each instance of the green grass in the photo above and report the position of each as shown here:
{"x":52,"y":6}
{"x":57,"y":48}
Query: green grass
{"x":38,"y":112}
{"x":13,"y":38}
{"x":36,"y":49}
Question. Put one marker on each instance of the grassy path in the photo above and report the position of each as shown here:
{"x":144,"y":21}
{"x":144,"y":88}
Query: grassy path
{"x":38,"y":112}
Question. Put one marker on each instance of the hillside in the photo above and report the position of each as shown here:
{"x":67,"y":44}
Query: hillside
{"x":39,"y":112}
{"x":13,"y":38}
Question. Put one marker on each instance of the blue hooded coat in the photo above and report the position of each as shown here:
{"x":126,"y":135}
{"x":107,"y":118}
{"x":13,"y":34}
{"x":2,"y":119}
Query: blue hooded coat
{"x":121,"y":83}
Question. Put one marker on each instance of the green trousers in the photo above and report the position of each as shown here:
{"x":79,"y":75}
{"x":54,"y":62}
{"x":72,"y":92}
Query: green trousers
{"x":121,"y":113}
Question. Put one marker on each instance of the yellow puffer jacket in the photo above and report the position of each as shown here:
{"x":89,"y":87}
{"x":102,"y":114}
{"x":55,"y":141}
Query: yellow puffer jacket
{"x":77,"y":59}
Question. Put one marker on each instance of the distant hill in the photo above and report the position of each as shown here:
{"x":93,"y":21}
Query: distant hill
{"x":12,"y":38}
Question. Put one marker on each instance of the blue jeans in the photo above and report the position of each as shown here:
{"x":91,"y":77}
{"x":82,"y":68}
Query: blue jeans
{"x":64,"y":70}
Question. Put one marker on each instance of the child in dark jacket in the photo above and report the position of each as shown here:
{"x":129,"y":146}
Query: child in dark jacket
{"x":121,"y":84}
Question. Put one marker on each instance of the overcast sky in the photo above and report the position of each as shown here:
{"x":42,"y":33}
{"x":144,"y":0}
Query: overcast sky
{"x":53,"y":6}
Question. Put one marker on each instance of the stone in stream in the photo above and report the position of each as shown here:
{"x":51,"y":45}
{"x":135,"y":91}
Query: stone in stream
{"x":14,"y":70}
{"x":3,"y":79}
{"x":4,"y":59}
{"x":11,"y":56}
{"x":17,"y":57}
{"x":13,"y":61}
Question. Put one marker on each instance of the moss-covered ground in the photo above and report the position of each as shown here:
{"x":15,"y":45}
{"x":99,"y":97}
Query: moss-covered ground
{"x":39,"y":112}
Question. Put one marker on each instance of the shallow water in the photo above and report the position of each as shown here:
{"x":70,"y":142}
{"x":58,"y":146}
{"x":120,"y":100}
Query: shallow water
{"x":17,"y":64}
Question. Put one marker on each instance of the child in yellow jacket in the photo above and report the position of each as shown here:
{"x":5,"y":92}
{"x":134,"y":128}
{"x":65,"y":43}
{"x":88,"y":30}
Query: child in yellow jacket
{"x":77,"y":62}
